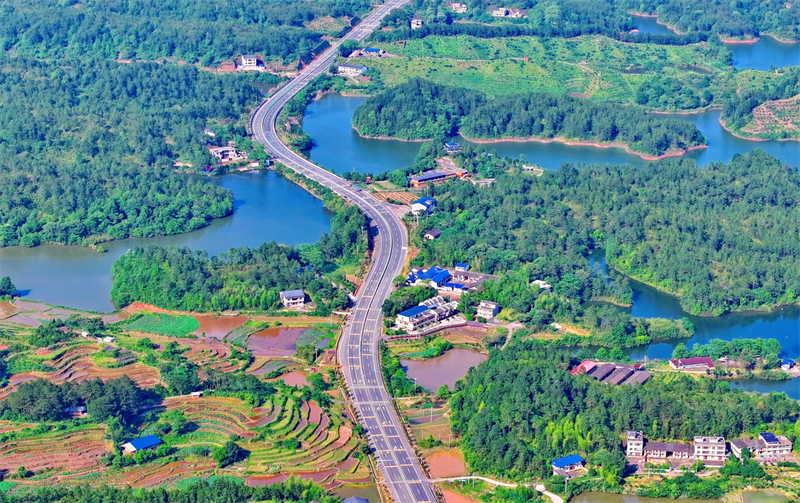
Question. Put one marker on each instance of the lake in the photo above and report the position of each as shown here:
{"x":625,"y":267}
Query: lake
{"x":339,"y":148}
{"x":722,"y":145}
{"x":79,"y":277}
{"x":762,"y":55}
{"x":445,"y":369}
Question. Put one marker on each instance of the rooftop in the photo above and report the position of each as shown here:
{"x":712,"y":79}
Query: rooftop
{"x":293,"y":293}
{"x":413,"y":311}
{"x":425,"y":201}
{"x":430,"y":175}
{"x":145,"y":442}
{"x":695,"y":360}
{"x":769,"y":438}
{"x":567,"y":461}
{"x":357,"y":67}
{"x":249,"y":56}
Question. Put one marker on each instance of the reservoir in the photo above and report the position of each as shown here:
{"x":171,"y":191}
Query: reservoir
{"x":338,"y":147}
{"x":267,"y":207}
{"x":762,"y":55}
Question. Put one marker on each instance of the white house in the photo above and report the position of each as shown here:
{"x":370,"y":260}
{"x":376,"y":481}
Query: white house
{"x":417,"y":23}
{"x":487,"y":309}
{"x":293,"y":298}
{"x":351,"y":70}
{"x":249,"y":62}
{"x":458,"y":8}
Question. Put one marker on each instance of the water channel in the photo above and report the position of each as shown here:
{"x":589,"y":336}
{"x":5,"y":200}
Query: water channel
{"x":762,"y":55}
{"x":267,"y":207}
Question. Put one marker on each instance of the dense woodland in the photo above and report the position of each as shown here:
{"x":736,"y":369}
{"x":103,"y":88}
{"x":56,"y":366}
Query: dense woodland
{"x":189,"y":30}
{"x":241,"y":278}
{"x":420,"y":109}
{"x":91,"y":157}
{"x":723,"y":238}
{"x":522,"y":408}
{"x":568,"y":18}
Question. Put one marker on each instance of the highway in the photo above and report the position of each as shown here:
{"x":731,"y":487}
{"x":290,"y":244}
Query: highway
{"x":359,"y":348}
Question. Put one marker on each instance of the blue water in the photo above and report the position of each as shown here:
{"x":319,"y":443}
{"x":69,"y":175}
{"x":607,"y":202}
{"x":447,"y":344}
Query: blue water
{"x":765,"y":54}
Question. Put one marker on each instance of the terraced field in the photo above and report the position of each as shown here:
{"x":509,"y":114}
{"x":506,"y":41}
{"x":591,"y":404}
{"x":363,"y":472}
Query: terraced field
{"x":73,"y":452}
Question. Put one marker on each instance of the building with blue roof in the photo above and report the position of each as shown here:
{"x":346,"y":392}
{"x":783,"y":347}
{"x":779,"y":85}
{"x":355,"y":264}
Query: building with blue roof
{"x":423,"y":205}
{"x":563,"y":466}
{"x":452,"y":146}
{"x":439,"y":278}
{"x":462,"y":266}
{"x":142,"y":443}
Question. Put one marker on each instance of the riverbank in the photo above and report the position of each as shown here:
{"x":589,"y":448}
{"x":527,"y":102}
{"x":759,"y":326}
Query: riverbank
{"x":390,"y":138}
{"x":739,"y":135}
{"x":579,"y":143}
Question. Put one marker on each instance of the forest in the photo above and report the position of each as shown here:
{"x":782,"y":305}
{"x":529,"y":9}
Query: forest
{"x":241,"y":278}
{"x":91,"y":158}
{"x":569,"y":18}
{"x":189,"y":30}
{"x":722,"y":238}
{"x":521,"y":408}
{"x":420,"y":109}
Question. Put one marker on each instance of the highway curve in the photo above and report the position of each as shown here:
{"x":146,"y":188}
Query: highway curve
{"x":359,"y":347}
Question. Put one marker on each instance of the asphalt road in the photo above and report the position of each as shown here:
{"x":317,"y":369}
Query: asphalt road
{"x":359,"y":348}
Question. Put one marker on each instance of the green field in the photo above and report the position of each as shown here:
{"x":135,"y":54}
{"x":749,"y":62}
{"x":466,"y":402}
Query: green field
{"x":594,"y":67}
{"x":163,"y":324}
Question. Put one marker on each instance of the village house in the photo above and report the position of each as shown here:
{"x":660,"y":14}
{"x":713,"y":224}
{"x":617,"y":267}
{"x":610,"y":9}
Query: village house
{"x":472,"y":279}
{"x":416,"y":23}
{"x":423,"y":205}
{"x":419,"y":276}
{"x":78,"y":411}
{"x":694,"y":363}
{"x":227,"y":154}
{"x":462,"y":267}
{"x":427,"y":313}
{"x":500,"y":12}
{"x":139,"y":444}
{"x":569,"y":466}
{"x":452,"y":146}
{"x":432,"y":176}
{"x":249,"y":63}
{"x":543,"y":285}
{"x":517,"y":13}
{"x":432,"y":234}
{"x":484,"y":182}
{"x":613,"y":374}
{"x":710,"y":450}
{"x":372,"y":52}
{"x":452,"y":287}
{"x":768,"y":447}
{"x":351,"y":70}
{"x":458,"y":8}
{"x":293,"y":298}
{"x":487,"y":309}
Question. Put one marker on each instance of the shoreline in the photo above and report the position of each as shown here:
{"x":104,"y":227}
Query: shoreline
{"x":781,"y":40}
{"x":623,"y":146}
{"x":697,"y":111}
{"x":391,"y":138}
{"x":733,"y":41}
{"x":750,"y":138}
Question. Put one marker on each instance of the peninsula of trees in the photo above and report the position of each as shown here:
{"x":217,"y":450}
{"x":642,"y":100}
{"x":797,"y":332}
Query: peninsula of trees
{"x":241,"y":278}
{"x":722,"y":238}
{"x":420,"y":109}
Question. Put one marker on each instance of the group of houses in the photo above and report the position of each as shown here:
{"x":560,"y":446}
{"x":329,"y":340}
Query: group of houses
{"x":711,"y":450}
{"x":612,"y":373}
{"x":425,"y":314}
{"x":452,"y":281}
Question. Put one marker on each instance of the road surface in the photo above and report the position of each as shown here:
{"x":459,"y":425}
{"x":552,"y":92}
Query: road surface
{"x":359,"y":348}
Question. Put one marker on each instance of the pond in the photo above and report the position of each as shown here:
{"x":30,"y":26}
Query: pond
{"x":445,"y":369}
{"x":762,"y":55}
{"x":79,"y":277}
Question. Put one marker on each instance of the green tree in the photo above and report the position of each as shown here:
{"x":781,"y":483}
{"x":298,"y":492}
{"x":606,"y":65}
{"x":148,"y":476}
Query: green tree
{"x":6,"y":286}
{"x":229,"y":453}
